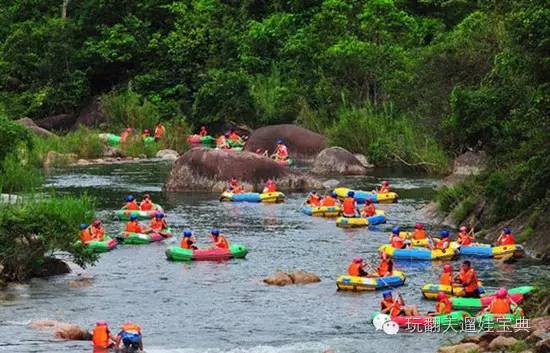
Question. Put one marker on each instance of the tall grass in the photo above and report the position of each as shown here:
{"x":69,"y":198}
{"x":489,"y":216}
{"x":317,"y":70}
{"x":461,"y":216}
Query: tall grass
{"x":129,"y":109}
{"x":387,"y":138}
{"x":17,"y":172}
{"x":83,"y":142}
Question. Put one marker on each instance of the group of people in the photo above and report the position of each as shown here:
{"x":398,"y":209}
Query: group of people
{"x":349,"y":204}
{"x":226,"y":140}
{"x":132,"y":204}
{"x":159,"y":132}
{"x":129,"y":336}
{"x":235,"y":187}
{"x":93,"y":232}
{"x":219,"y":240}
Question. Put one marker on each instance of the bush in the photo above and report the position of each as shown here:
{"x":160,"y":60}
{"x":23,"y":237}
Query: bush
{"x":17,"y":173}
{"x":129,"y":109}
{"x":31,"y":230}
{"x":11,"y":135}
{"x":83,"y":142}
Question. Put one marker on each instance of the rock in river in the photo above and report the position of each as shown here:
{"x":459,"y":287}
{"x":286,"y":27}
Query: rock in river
{"x":336,"y":160}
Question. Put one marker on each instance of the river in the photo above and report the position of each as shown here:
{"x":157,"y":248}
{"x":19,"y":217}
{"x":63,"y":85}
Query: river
{"x":211,"y":307}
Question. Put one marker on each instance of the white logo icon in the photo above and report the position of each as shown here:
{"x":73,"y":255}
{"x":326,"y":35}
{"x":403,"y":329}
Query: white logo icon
{"x":383,"y":322}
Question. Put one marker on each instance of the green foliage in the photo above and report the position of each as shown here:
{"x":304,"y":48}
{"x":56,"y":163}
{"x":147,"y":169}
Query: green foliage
{"x":129,"y":109}
{"x":83,"y":142}
{"x":31,"y":230}
{"x":11,"y":136}
{"x":17,"y":172}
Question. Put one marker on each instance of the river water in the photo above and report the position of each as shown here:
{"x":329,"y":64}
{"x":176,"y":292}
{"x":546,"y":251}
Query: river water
{"x":214,"y":307}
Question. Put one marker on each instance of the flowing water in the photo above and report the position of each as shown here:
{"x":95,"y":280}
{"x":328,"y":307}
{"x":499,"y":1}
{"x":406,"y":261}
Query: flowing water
{"x":224,"y":307}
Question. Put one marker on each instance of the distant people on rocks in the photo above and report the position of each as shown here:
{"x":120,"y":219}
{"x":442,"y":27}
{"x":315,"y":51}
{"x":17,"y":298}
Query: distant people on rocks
{"x":203,"y":131}
{"x":125,"y":134}
{"x":160,"y":130}
{"x":146,"y":133}
{"x":281,"y":151}
{"x":234,"y":186}
{"x":221,"y":141}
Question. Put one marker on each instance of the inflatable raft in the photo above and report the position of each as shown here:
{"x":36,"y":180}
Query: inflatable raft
{"x":363,"y":196}
{"x":114,"y":140}
{"x":107,"y":244}
{"x":453,"y":319}
{"x":356,"y":222}
{"x":430,"y":291}
{"x":489,"y":320}
{"x":359,"y":284}
{"x":235,"y":144}
{"x":287,"y":162}
{"x":418,"y":254}
{"x":489,"y":251}
{"x":175,"y":253}
{"x":476,"y":304}
{"x":322,"y":211}
{"x":130,"y":238}
{"x":266,"y":197}
{"x":124,"y":215}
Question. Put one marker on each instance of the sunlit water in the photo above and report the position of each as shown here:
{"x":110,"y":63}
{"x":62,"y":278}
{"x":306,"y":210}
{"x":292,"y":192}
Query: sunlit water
{"x":224,"y":307}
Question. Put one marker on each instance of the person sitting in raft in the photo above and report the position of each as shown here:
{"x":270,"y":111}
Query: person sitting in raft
{"x":159,"y":131}
{"x":442,"y":243}
{"x":146,"y":204}
{"x":131,"y":204}
{"x":234,"y":186}
{"x":397,"y":307}
{"x":219,"y":240}
{"x":133,"y":225}
{"x":270,"y":186}
{"x":125,"y":134}
{"x":85,"y":234}
{"x":385,"y":267}
{"x":188,"y":241}
{"x":233,"y":136}
{"x":446,"y":278}
{"x":221,"y":142}
{"x":464,"y":237}
{"x":349,"y":206}
{"x":357,"y":267}
{"x":313,"y":199}
{"x":396,"y":241}
{"x":501,"y":304}
{"x":158,"y":223}
{"x":329,"y":200}
{"x":369,"y":209}
{"x":467,"y":277}
{"x":203,"y":132}
{"x":384,"y":188}
{"x":130,"y":337}
{"x":443,"y":305}
{"x":97,"y":230}
{"x":146,"y":133}
{"x":419,"y":232}
{"x":281,"y":151}
{"x":102,"y":337}
{"x":506,"y":237}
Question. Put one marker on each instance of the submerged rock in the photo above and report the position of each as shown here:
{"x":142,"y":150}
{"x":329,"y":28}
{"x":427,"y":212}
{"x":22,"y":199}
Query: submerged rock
{"x":202,"y":169}
{"x":278,"y":279}
{"x":336,"y":160}
{"x":302,"y":143}
{"x":296,"y":277}
{"x":51,"y":267}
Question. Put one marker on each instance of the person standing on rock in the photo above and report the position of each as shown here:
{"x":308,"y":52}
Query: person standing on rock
{"x":281,"y":151}
{"x":159,"y":131}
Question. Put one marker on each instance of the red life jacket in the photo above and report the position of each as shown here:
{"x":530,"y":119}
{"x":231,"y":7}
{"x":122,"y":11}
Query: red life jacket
{"x":100,"y":336}
{"x":349,"y":206}
{"x":397,"y":242}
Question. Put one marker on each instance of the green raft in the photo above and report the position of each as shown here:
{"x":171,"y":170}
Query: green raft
{"x":124,"y":215}
{"x":175,"y":253}
{"x":453,"y":319}
{"x":489,"y":320}
{"x":107,"y":244}
{"x":235,"y":144}
{"x":114,"y":140}
{"x":141,"y":239}
{"x":476,"y":304}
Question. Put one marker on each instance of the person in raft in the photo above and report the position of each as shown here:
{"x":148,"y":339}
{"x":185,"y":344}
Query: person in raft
{"x":464,"y":237}
{"x":97,"y":230}
{"x":133,"y":225}
{"x":159,"y":131}
{"x":419,"y":232}
{"x":221,"y":142}
{"x":281,"y":151}
{"x":443,"y":305}
{"x":270,"y":186}
{"x":219,"y":239}
{"x":396,"y":307}
{"x":131,"y":204}
{"x":329,"y":200}
{"x":506,"y":237}
{"x":446,"y":278}
{"x":501,"y":304}
{"x":233,"y":136}
{"x":443,"y":243}
{"x":385,"y":267}
{"x":313,"y":199}
{"x":234,"y":186}
{"x":467,"y":278}
{"x":130,"y":336}
{"x":357,"y":267}
{"x":396,"y":241}
{"x":125,"y":134}
{"x":385,"y":187}
{"x":188,"y":241}
{"x":102,"y":337}
{"x":369,"y":209}
{"x":349,"y":206}
{"x":146,"y":203}
{"x":158,"y":224}
{"x":146,"y":133}
{"x":203,"y":131}
{"x":85,"y":234}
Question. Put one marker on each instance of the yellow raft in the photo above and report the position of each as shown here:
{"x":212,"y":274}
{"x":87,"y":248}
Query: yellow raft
{"x":420,"y":242}
{"x":363,"y":196}
{"x":360,"y":284}
{"x":322,"y":211}
{"x":266,"y":197}
{"x":419,"y":254}
{"x":430,"y":291}
{"x":357,"y":222}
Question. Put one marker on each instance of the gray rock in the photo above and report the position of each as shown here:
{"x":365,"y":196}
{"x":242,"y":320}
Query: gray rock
{"x":460,"y":348}
{"x":30,"y":124}
{"x":364,"y":160}
{"x":331,"y":184}
{"x":470,"y":163}
{"x":167,"y":154}
{"x":336,"y":160}
{"x":502,"y":342}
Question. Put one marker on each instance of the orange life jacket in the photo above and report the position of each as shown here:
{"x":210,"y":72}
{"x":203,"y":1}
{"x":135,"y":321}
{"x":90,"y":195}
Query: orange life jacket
{"x":132,"y":206}
{"x":446,"y":278}
{"x":397,"y":242}
{"x":131,"y":328}
{"x":314,"y":200}
{"x":146,"y":205}
{"x":159,"y":131}
{"x":500,"y":306}
{"x":234,"y":137}
{"x":123,"y":136}
{"x":238,"y":189}
{"x":328,"y":201}
{"x":221,"y":142}
{"x":443,"y":306}
{"x":133,"y":227}
{"x":349,"y":206}
{"x":158,"y":224}
{"x":369,"y":210}
{"x":470,"y":278}
{"x":386,"y":303}
{"x":384,"y":189}
{"x":186,"y":243}
{"x":354,"y":269}
{"x":384,"y":267}
{"x":271,"y":187}
{"x":441,"y":244}
{"x":507,"y":239}
{"x":100,"y":336}
{"x":203,"y":132}
{"x":85,"y":235}
{"x":465,"y":238}
{"x":222,"y":243}
{"x":98,"y":233}
{"x":419,"y":234}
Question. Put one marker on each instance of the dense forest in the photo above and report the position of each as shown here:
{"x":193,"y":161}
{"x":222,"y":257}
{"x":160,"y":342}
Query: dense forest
{"x":411,"y":81}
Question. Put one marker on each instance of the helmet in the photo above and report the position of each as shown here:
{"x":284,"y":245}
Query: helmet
{"x":507,"y":230}
{"x":447,"y":268}
{"x":159,"y":215}
{"x":463,"y":229}
{"x":444,"y":233}
{"x":385,"y":182}
{"x":396,"y":230}
{"x":187,"y":233}
{"x":83,"y":226}
{"x":368,"y":202}
{"x":333,"y":194}
{"x":357,"y":259}
{"x":279,"y":141}
{"x":146,"y":196}
{"x":441,"y":295}
{"x":101,"y":323}
{"x":133,"y":217}
{"x":419,"y":226}
{"x":387,"y":293}
{"x":129,"y":198}
{"x":502,"y":293}
{"x":351,"y":194}
{"x":215,"y":232}
{"x":96,"y":222}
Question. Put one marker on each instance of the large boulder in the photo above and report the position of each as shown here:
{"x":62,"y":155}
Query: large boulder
{"x":31,"y":125}
{"x":92,"y":114}
{"x":470,"y":163}
{"x":63,"y":330}
{"x":203,"y":169}
{"x":336,"y":160}
{"x":296,"y":277}
{"x":302,"y":143}
{"x":51,"y":267}
{"x":57,"y":122}
{"x":167,"y":154}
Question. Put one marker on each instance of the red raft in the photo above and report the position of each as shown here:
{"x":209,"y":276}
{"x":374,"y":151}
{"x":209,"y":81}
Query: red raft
{"x":176,"y":253}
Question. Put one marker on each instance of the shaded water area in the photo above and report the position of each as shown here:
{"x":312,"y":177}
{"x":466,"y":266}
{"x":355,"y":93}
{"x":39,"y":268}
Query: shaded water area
{"x":224,"y":307}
